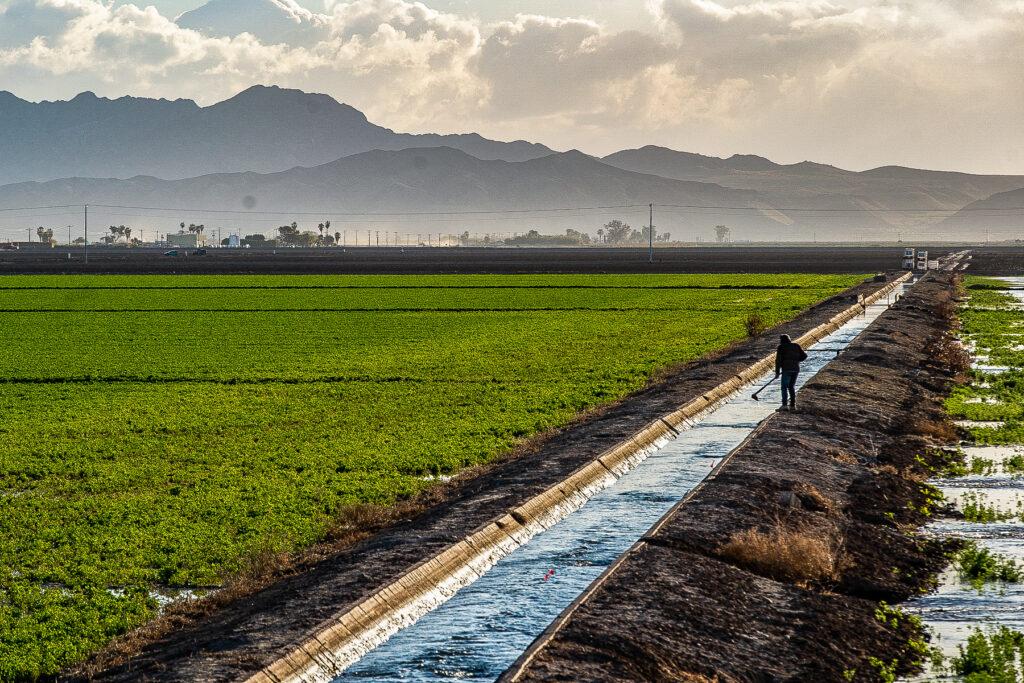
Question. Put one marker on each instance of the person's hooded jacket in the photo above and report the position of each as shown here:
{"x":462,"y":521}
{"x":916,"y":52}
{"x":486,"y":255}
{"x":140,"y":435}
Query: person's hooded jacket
{"x":788,"y":356}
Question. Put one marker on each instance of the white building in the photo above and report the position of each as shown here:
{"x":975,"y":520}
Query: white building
{"x":186,"y":240}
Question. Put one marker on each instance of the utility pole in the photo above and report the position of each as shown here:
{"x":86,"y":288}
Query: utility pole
{"x":69,"y":235}
{"x":650,"y":236}
{"x":86,"y":233}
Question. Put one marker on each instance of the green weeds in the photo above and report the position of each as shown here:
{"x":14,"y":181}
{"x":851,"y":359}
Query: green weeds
{"x":976,"y":509}
{"x":978,"y":565}
{"x":992,"y":657}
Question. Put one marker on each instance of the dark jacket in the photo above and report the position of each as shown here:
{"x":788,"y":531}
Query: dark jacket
{"x":788,"y":357}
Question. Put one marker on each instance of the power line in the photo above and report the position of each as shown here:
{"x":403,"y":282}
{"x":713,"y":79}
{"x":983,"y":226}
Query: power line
{"x":330,"y":212}
{"x":839,"y":210}
{"x":41,"y":208}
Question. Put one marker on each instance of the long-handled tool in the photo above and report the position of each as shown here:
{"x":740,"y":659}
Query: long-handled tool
{"x":763,"y":388}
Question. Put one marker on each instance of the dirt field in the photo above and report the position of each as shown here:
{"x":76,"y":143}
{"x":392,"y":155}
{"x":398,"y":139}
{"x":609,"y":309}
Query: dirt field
{"x":366,"y":260}
{"x":680,"y":606}
{"x":247,"y":634}
{"x":997,"y":261}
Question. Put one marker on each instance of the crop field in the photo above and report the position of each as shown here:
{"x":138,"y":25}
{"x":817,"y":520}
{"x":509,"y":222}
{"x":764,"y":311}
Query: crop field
{"x":159,"y":431}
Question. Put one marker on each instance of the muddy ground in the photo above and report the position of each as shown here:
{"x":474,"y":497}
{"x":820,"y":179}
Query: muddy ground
{"x":678,"y":606}
{"x":997,"y":261}
{"x":367,"y":260}
{"x":244,"y":636}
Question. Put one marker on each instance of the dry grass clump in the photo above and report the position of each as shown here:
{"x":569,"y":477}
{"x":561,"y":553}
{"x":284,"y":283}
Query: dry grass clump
{"x":813,"y":499}
{"x":792,"y":555}
{"x":939,"y":429}
{"x":949,"y":353}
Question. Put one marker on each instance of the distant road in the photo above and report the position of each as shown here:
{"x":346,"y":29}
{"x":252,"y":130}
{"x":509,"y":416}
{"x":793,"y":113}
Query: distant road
{"x":435,"y":260}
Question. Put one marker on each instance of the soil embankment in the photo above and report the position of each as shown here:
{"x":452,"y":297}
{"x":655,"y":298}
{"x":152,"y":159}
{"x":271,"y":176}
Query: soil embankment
{"x":240,"y":638}
{"x":773,"y":569}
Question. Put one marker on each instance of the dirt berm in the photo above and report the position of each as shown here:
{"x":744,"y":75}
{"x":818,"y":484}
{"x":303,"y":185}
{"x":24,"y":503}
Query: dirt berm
{"x":840,"y":475}
{"x":228,"y":642}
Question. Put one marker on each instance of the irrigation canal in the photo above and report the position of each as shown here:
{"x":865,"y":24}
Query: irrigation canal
{"x":480,"y":631}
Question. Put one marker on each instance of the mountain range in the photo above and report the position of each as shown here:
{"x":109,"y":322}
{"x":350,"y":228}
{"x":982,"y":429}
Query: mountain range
{"x":278,"y":150}
{"x":261,"y":129}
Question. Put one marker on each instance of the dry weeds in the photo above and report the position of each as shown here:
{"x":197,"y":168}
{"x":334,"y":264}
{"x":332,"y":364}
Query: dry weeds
{"x":813,"y":499}
{"x":791,"y":555}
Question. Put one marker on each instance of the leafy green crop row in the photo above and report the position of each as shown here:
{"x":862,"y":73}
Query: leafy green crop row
{"x":142,"y":451}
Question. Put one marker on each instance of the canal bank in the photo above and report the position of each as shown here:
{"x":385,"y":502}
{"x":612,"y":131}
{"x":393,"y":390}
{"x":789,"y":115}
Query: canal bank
{"x":777,"y":567}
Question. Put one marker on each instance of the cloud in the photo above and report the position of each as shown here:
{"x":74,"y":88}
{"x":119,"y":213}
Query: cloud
{"x":401,"y":57}
{"x":844,"y":80}
{"x":537,"y":66}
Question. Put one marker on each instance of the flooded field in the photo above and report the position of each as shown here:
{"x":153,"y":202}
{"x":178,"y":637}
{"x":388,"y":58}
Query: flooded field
{"x":976,"y":614}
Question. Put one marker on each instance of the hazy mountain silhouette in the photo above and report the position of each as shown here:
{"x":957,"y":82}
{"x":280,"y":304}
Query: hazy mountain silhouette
{"x":283,"y":149}
{"x":1001,"y":216}
{"x":885,"y":192}
{"x":262,"y":129}
{"x":425,"y":179}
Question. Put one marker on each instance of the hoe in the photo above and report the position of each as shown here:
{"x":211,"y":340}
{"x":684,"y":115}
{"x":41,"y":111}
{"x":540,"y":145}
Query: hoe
{"x":755,"y":394}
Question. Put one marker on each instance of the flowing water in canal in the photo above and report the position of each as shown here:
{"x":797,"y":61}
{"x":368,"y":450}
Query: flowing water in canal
{"x":479,"y":632}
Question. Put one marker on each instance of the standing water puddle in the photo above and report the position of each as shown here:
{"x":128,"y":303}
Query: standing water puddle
{"x":487,"y":625}
{"x":956,"y":609}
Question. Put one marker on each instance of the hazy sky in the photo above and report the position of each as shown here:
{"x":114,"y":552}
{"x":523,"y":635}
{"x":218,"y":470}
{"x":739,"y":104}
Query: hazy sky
{"x":857,"y":83}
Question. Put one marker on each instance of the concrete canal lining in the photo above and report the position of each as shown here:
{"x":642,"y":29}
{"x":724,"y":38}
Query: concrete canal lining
{"x":679,"y":606}
{"x":351,"y":634}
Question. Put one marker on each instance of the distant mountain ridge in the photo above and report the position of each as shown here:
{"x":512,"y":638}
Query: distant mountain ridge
{"x":284,"y":149}
{"x":1001,"y":215}
{"x":889,"y":195}
{"x":262,"y":129}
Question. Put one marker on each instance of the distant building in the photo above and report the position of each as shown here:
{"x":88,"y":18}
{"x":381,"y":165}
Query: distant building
{"x":234,"y":241}
{"x":186,"y":240}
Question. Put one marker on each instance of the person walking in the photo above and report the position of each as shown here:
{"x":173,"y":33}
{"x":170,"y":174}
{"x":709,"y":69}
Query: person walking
{"x":788,"y":357}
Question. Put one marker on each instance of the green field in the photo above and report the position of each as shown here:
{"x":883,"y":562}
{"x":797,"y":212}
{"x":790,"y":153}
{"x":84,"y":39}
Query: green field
{"x":157,"y":431}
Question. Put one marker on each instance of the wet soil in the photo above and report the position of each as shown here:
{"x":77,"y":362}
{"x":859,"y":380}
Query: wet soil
{"x":234,"y":641}
{"x":675,"y":607}
{"x":997,"y":261}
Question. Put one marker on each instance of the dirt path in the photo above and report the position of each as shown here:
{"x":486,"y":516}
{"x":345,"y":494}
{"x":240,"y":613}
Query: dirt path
{"x":681,"y":605}
{"x":240,"y":638}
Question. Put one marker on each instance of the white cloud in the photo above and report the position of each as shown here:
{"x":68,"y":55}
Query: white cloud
{"x":852,"y":81}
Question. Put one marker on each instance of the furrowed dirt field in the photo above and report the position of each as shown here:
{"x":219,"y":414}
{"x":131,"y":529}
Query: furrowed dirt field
{"x":367,"y":260}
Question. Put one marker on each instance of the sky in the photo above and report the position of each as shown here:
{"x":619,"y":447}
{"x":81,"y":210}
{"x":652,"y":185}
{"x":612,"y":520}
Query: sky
{"x":856,"y":83}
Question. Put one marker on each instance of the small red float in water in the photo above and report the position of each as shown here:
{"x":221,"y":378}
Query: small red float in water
{"x":551,"y":572}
